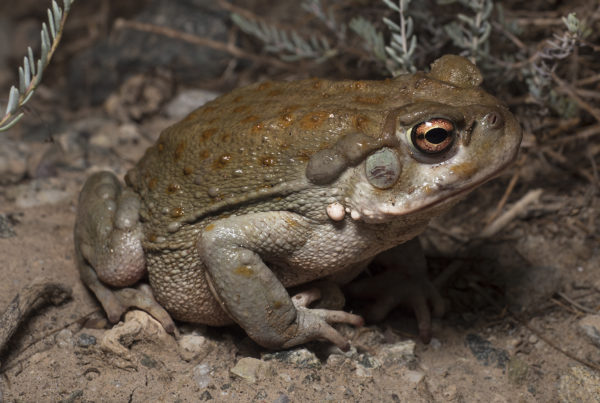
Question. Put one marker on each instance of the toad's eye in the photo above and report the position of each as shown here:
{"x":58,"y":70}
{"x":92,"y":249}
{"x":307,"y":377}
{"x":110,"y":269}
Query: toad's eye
{"x":433,"y":136}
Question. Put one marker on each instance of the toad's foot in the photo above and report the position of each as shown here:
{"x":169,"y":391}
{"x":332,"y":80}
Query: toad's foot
{"x":314,"y":324}
{"x":404,"y":283}
{"x":394,"y":288}
{"x":116,"y":302}
{"x":321,"y":318}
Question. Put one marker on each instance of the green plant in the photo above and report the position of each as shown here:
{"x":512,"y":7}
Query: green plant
{"x":30,"y":74}
{"x":540,"y":73}
{"x":289,"y":44}
{"x":397,"y":57}
{"x":471,"y":33}
{"x":402,"y":43}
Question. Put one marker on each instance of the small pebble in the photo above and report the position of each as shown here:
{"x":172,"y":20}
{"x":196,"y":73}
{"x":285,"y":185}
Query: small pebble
{"x":252,"y":369}
{"x":201,"y":375}
{"x":485,"y":352}
{"x":6,"y":227}
{"x":192,"y":345}
{"x":365,"y":364}
{"x":413,"y":376}
{"x":64,"y":338}
{"x":282,"y":399}
{"x":187,"y":101}
{"x":301,"y":358}
{"x":517,"y":370}
{"x":85,"y":340}
{"x":13,"y":158}
{"x":398,"y":353}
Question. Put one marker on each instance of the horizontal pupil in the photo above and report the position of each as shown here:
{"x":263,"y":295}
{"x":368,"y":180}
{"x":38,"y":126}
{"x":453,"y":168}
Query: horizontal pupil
{"x":436,"y":136}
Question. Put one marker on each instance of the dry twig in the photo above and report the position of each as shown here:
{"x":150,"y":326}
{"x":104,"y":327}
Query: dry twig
{"x":197,"y":40}
{"x":565,"y":163}
{"x":22,"y":305}
{"x":494,"y":227}
{"x":572,"y":93}
{"x":576,"y":304}
{"x":507,"y":192}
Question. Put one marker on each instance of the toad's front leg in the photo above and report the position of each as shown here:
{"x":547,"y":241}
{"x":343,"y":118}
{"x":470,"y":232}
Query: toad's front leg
{"x":232,"y":250}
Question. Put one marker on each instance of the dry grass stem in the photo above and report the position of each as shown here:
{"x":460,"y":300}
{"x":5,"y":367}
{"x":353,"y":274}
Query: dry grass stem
{"x":197,"y":40}
{"x":519,"y":207}
{"x":572,"y":93}
{"x":507,"y":192}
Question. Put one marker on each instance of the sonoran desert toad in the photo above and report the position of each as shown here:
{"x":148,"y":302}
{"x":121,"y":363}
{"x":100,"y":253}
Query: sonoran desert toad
{"x":281,"y":184}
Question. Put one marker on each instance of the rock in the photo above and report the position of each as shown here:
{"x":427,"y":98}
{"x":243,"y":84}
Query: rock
{"x":138,"y":326}
{"x":398,"y":353}
{"x":6,"y":227}
{"x":579,"y":384}
{"x":201,"y":374}
{"x":13,"y":160}
{"x":301,"y":358}
{"x":370,"y":337}
{"x":413,"y":377}
{"x":365,"y":364}
{"x":338,"y":358}
{"x":252,"y":369}
{"x":85,"y":340}
{"x":186,"y":101}
{"x":192,"y":346}
{"x":38,"y":192}
{"x":64,"y":338}
{"x":485,"y":352}
{"x":589,"y":327}
{"x":517,"y":371}
{"x":282,"y":399}
{"x":141,"y":95}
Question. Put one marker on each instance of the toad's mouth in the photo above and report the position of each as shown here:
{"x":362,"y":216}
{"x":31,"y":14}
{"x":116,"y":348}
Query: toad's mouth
{"x":445,"y":193}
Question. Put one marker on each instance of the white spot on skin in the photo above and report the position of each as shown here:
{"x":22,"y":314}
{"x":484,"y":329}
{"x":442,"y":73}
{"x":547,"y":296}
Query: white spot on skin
{"x":355,"y":215}
{"x":173,"y":226}
{"x":336,"y":211}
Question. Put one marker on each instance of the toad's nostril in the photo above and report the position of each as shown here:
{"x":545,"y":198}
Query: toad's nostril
{"x":494,"y":120}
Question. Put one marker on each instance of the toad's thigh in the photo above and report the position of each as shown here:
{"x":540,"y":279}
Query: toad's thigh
{"x":179,"y":285}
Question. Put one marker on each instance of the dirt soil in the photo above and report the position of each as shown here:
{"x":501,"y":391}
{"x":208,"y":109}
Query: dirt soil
{"x":522,"y":303}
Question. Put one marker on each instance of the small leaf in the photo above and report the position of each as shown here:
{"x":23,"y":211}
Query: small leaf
{"x":22,"y":86}
{"x":391,"y":24}
{"x":13,"y":100}
{"x":392,"y":5}
{"x":27,"y":72}
{"x":13,"y":122}
{"x":31,"y":60}
{"x":51,"y":23}
{"x":57,"y":14}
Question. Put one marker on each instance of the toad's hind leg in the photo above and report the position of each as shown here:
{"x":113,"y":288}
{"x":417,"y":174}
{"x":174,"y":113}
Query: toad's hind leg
{"x":108,"y":248}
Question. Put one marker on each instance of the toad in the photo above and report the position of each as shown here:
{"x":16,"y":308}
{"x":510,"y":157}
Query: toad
{"x":282,"y":184}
